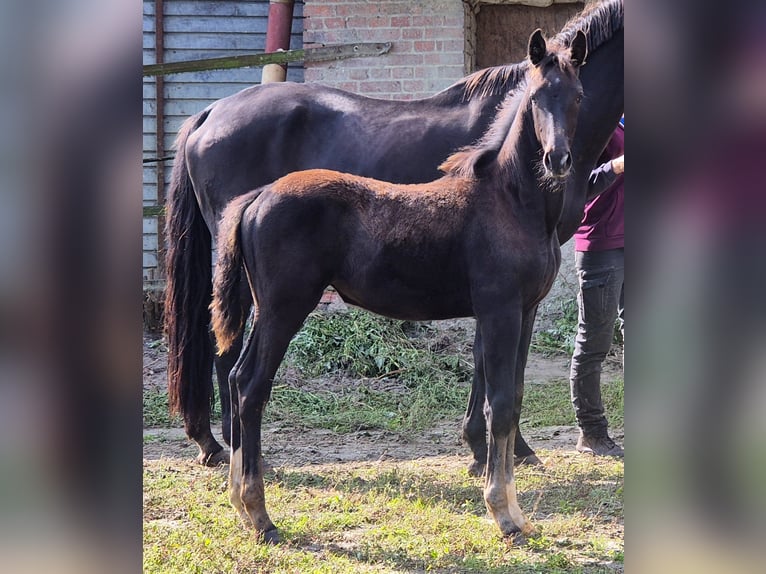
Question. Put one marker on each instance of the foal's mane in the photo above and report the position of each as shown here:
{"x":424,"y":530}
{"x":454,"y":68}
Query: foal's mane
{"x":599,"y":21}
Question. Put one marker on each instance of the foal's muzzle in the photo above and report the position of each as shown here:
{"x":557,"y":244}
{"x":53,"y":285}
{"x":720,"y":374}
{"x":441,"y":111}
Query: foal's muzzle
{"x":557,"y":163}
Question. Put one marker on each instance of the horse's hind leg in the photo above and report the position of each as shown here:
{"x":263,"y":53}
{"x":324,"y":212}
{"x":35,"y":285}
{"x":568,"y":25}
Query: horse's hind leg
{"x":474,"y":422}
{"x":252,"y":380}
{"x":225,"y":363}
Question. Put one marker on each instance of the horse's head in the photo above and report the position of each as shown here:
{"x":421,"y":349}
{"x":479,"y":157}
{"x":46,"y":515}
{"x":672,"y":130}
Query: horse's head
{"x":555,"y":94}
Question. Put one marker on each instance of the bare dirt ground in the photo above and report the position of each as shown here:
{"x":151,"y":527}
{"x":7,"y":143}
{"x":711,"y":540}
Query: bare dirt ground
{"x":288,"y":443}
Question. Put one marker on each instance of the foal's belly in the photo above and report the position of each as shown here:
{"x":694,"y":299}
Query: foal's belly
{"x":400,"y":300}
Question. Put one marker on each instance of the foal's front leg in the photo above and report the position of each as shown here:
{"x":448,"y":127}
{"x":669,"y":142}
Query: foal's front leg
{"x":475,"y":423}
{"x":501,"y":333}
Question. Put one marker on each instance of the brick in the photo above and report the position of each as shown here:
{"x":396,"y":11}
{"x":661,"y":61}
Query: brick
{"x":371,"y":86}
{"x":334,"y":23}
{"x":396,"y":59}
{"x":379,"y":73}
{"x":357,"y":22}
{"x":400,"y":21}
{"x":358,"y":74}
{"x":414,"y":85}
{"x":424,"y":46}
{"x":400,"y":73}
{"x":380,"y":22}
{"x":412,"y":33}
{"x":317,"y":10}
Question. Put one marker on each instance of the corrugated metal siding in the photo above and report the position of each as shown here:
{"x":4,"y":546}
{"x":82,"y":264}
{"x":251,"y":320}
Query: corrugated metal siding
{"x":195,"y":30}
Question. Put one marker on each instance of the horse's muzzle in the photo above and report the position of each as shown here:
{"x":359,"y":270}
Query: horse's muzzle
{"x":558,"y":164}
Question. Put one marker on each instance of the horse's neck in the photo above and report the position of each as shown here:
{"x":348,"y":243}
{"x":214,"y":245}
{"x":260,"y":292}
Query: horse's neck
{"x":602,"y":81}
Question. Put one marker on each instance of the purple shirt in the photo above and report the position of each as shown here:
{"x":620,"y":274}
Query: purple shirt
{"x":603,"y":225}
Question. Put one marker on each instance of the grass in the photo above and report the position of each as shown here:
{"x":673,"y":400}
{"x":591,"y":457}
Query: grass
{"x":355,"y":371}
{"x":414,"y":516}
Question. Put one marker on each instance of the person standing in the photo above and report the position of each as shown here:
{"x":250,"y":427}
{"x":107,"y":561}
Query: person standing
{"x":599,"y":261}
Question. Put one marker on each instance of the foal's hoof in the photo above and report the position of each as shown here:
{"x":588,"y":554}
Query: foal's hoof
{"x":519,"y":537}
{"x":477,"y":468}
{"x":271,"y":536}
{"x":529,"y":460}
{"x":215,"y":459}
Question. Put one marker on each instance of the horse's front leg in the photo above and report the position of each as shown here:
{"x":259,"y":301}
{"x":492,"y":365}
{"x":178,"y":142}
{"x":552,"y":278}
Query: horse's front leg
{"x":501,"y":330}
{"x":475,"y":423}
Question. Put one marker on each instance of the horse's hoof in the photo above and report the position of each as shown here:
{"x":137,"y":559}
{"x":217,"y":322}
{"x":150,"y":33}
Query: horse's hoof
{"x":519,"y":536}
{"x":517,"y":539}
{"x":215,"y":459}
{"x":529,"y":460}
{"x":271,"y":536}
{"x":477,"y":468}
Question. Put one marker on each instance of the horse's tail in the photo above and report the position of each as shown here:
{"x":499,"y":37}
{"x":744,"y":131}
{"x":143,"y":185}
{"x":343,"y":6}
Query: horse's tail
{"x":227,"y":312}
{"x":188,"y":269}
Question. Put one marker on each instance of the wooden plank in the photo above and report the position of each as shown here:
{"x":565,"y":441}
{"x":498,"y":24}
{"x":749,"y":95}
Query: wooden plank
{"x":325,"y":53}
{"x":153,"y":211}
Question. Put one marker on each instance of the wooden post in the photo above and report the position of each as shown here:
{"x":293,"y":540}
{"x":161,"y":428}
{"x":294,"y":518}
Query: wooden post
{"x":278,"y":38}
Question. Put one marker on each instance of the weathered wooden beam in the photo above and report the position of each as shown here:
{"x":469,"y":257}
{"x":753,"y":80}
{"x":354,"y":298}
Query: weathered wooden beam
{"x":154,"y":210}
{"x":321,"y":54}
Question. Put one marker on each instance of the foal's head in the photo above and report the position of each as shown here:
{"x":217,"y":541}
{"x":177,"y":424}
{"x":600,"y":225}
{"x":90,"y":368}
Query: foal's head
{"x":555,"y":94}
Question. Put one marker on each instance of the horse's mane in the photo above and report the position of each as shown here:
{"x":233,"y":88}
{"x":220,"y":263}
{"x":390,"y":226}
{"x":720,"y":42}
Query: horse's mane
{"x":600,"y":21}
{"x":463,"y":162}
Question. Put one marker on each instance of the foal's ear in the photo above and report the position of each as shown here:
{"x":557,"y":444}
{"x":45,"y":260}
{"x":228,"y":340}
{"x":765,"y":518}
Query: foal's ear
{"x":537,"y":47}
{"x":579,"y":49}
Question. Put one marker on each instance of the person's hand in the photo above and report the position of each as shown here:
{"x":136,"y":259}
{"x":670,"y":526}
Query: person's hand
{"x":618,"y":164}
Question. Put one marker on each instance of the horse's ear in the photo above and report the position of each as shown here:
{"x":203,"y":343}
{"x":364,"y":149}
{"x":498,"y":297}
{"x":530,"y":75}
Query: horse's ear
{"x":579,"y":49}
{"x":537,"y":47}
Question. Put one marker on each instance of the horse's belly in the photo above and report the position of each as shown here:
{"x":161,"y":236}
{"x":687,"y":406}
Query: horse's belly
{"x":400,"y":300}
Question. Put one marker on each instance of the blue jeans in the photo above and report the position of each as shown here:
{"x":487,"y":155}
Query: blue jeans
{"x":601,"y":275}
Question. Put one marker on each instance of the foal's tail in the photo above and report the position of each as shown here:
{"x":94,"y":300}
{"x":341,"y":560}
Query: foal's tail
{"x":228,"y":314}
{"x":187,"y":294}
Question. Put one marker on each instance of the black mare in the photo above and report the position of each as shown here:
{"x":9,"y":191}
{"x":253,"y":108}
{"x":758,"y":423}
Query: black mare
{"x":480,"y":241}
{"x":262,"y":133}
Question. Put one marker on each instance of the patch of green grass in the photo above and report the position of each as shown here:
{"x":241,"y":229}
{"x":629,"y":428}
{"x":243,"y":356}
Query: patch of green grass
{"x":420,"y":383}
{"x":549,"y":404}
{"x":365,"y":345}
{"x":421,"y":516}
{"x":560,"y":338}
{"x":155,"y":409}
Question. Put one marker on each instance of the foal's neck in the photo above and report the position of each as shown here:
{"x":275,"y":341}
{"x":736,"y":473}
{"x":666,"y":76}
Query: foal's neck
{"x":522,"y":172}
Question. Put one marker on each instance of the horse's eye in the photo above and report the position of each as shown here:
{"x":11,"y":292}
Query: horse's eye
{"x":579,"y":98}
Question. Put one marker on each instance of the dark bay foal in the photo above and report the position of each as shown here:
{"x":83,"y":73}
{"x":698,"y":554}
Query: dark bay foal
{"x":481,"y":241}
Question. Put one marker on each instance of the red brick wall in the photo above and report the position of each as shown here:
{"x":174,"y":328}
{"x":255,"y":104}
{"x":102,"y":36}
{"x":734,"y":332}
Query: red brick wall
{"x":427,"y":53}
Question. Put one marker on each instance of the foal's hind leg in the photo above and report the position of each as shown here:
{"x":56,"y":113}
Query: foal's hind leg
{"x":252,"y":380}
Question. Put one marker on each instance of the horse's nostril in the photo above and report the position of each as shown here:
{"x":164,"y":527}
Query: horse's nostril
{"x":567,"y":161}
